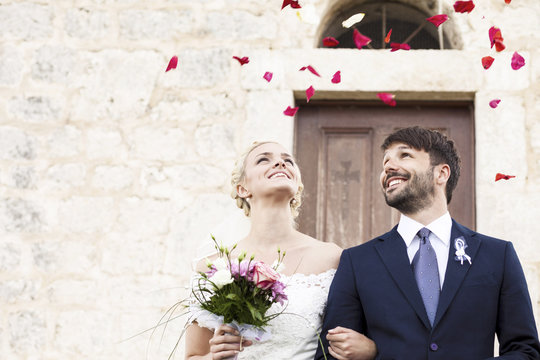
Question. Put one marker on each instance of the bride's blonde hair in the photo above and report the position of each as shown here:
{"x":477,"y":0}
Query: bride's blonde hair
{"x":238,"y":175}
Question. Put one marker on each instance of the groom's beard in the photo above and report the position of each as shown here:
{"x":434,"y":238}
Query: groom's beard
{"x":416,"y":195}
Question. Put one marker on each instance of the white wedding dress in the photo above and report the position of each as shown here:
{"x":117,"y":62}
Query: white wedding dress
{"x":294,"y":332}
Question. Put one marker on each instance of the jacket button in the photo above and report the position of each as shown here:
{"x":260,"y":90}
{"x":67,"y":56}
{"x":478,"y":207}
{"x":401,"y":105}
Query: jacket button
{"x":434,"y":347}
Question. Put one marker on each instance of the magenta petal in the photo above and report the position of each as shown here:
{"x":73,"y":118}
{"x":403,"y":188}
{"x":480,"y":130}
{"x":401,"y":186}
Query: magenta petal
{"x":242,"y":60}
{"x":289,"y":111}
{"x":309,"y":93}
{"x":463,"y":6}
{"x":268,"y":76}
{"x":311,"y":69}
{"x":437,"y":20}
{"x":517,"y":61}
{"x":330,"y":41}
{"x":487,"y":61}
{"x":336,"y":79}
{"x":398,"y":46}
{"x":387,"y":98}
{"x":360,"y":40}
{"x":494,"y":103}
{"x":172,"y":63}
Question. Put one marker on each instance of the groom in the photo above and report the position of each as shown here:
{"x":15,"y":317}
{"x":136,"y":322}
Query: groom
{"x":430,"y":288}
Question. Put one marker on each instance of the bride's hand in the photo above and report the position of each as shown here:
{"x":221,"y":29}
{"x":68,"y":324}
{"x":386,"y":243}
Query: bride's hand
{"x":226,"y":343}
{"x":347,"y":344}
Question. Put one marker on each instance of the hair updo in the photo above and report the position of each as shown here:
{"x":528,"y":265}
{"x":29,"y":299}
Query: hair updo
{"x":238,"y":174}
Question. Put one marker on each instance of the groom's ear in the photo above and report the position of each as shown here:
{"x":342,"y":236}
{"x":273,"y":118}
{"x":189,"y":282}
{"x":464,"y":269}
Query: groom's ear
{"x":442,"y":174}
{"x":242,"y":191}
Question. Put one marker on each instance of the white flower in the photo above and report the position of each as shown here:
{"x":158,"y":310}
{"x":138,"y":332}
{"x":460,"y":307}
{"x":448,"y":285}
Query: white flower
{"x":220,"y":263}
{"x":221,"y":278}
{"x":279,"y":268}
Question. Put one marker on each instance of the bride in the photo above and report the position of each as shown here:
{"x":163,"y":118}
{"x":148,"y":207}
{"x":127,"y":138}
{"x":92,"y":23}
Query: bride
{"x":267,"y":186}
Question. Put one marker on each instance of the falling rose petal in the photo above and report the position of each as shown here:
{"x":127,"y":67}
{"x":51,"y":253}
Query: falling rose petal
{"x":173,"y":63}
{"x":387,"y":38}
{"x":508,"y":1}
{"x":517,"y":61}
{"x":244,"y":60}
{"x":494,"y":103}
{"x":330,"y":42}
{"x":495,"y":37}
{"x":387,"y":98}
{"x":309,"y":93}
{"x":268,"y":76}
{"x":437,"y":20}
{"x":487,"y":61}
{"x":289,"y":111}
{"x":500,"y":176}
{"x":311,"y":69}
{"x":360,"y":40}
{"x":463,"y":6}
{"x":336,"y":79}
{"x":398,"y":46}
{"x":294,"y":4}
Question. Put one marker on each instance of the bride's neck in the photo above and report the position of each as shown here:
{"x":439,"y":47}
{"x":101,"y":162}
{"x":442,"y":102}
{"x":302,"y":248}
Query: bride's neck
{"x":271,"y":226}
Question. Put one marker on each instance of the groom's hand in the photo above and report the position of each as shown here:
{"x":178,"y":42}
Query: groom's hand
{"x":347,"y":344}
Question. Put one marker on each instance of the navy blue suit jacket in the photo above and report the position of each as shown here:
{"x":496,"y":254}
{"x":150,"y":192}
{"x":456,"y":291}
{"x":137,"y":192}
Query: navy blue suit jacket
{"x":374,"y":292}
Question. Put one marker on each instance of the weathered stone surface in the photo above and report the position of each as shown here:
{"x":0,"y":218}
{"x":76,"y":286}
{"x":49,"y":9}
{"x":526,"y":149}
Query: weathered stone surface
{"x":27,"y":331}
{"x":161,"y":144}
{"x":144,"y":217}
{"x":240,"y":25}
{"x":16,"y":144}
{"x":83,"y":331}
{"x":65,"y":257}
{"x":72,"y":292}
{"x":155,"y":24}
{"x":87,"y":214}
{"x":103,"y":143}
{"x":10,"y":255}
{"x":26,"y":21}
{"x":11,"y":59}
{"x":36,"y":109}
{"x":53,"y":64}
{"x":64,"y":177}
{"x":216,"y":141}
{"x":65,"y":142}
{"x":20,"y":215}
{"x":22,"y":177}
{"x":84,"y":23}
{"x":112,"y":178}
{"x":12,"y":291}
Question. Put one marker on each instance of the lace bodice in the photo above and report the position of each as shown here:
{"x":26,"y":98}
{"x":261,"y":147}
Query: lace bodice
{"x":294,"y":332}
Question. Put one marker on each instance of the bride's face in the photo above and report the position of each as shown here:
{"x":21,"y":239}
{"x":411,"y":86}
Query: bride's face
{"x":270,"y":171}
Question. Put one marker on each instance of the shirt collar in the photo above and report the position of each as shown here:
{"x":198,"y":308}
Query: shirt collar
{"x":441,"y":228}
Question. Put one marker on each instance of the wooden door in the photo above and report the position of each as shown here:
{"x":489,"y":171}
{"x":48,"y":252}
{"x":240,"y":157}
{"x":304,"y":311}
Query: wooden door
{"x":337,"y":146}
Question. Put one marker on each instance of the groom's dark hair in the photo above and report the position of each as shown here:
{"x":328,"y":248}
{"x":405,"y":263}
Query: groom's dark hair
{"x":441,"y":150}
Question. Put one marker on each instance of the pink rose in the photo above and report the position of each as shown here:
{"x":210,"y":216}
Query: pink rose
{"x":264,"y":276}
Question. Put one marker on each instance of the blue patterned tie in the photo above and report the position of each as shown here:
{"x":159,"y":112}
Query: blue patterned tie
{"x":426,"y":273}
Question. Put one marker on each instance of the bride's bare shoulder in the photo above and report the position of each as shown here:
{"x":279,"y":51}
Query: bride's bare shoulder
{"x":322,"y":255}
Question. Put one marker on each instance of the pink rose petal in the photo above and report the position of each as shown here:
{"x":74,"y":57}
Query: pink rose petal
{"x":487,"y":61}
{"x":437,"y":20}
{"x":289,"y":111}
{"x":172,"y":63}
{"x":268,"y":76}
{"x":517,"y":61}
{"x":495,"y":37}
{"x":500,"y":176}
{"x":309,"y":93}
{"x":311,"y":69}
{"x":244,"y":60}
{"x":463,"y":6}
{"x":387,"y":98}
{"x":336,"y":79}
{"x":330,"y":42}
{"x":360,"y":40}
{"x":494,"y":103}
{"x":398,"y":46}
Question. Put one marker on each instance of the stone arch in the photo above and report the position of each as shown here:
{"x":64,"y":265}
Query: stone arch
{"x":407,"y":18}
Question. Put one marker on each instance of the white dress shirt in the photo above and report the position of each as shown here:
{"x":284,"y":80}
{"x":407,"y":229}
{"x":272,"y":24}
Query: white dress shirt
{"x":439,"y":237}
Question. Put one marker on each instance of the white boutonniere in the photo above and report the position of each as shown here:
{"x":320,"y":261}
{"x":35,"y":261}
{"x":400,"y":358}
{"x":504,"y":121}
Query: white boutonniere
{"x":460,"y":245}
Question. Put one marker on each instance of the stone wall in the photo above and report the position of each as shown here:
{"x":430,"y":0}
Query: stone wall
{"x":112,"y":172}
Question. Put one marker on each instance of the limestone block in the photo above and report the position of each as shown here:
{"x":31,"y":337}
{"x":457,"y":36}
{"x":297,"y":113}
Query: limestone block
{"x":143,"y":291}
{"x":192,"y":110}
{"x":83,"y":331}
{"x":113,"y":84}
{"x":162,"y":144}
{"x":500,"y":76}
{"x":11,"y":60}
{"x":65,"y":142}
{"x":26,"y":21}
{"x":36,"y":109}
{"x":84,"y":23}
{"x":144,"y":217}
{"x":10,"y":255}
{"x":13,"y":291}
{"x":65,"y":176}
{"x":199,"y":68}
{"x":215,"y":141}
{"x":262,"y":61}
{"x":242,"y":25}
{"x":189,"y":177}
{"x":102,"y":143}
{"x":27,"y":331}
{"x":20,"y":215}
{"x":87,"y":215}
{"x":65,"y":257}
{"x":16,"y":144}
{"x":72,"y":291}
{"x":158,"y":183}
{"x":112,"y":178}
{"x":21,"y":177}
{"x":155,"y":24}
{"x":53,"y":64}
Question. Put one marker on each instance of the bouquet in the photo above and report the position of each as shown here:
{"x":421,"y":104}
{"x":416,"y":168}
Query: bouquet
{"x":239,"y":292}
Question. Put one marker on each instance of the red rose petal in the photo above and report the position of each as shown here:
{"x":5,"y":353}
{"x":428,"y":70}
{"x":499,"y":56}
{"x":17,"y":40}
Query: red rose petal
{"x":172,"y":63}
{"x":309,"y":92}
{"x":311,"y":69}
{"x":387,"y":98}
{"x":463,"y":6}
{"x":495,"y":37}
{"x":244,"y":60}
{"x":330,"y":42}
{"x":494,"y":103}
{"x":437,"y":20}
{"x":387,"y":38}
{"x":336,"y":79}
{"x":487,"y":61}
{"x":398,"y":46}
{"x":507,"y":1}
{"x":289,"y":111}
{"x":294,"y":4}
{"x":500,"y":176}
{"x":360,"y":40}
{"x":517,"y":61}
{"x":268,"y":76}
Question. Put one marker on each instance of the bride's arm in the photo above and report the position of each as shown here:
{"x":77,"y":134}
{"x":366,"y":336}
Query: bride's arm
{"x":347,"y":344}
{"x":201,"y":343}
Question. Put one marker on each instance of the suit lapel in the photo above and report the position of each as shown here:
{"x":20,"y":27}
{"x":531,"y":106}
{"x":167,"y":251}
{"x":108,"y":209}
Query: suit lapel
{"x":455,"y":271}
{"x":393,"y":252}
